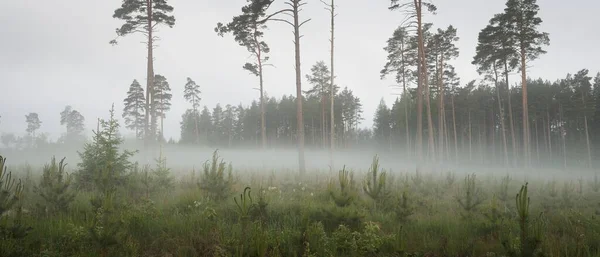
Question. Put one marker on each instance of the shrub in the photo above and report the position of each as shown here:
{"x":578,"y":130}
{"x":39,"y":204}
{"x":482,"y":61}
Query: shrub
{"x":215,"y":182}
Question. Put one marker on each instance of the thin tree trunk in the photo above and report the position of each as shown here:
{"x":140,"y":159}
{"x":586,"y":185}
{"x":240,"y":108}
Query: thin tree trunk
{"x":510,"y":114}
{"x":455,"y":134}
{"x":406,"y":100}
{"x":470,"y":139}
{"x":149,"y":130}
{"x":502,"y":126}
{"x":263,"y":126}
{"x":549,"y":134}
{"x":526,"y":140}
{"x":299,"y":114}
{"x":587,"y":135}
{"x":441,"y":107}
{"x":420,"y":46}
{"x":537,"y":143}
{"x":562,"y":135}
{"x":428,"y":103}
{"x":196,"y":115}
{"x":332,"y":93}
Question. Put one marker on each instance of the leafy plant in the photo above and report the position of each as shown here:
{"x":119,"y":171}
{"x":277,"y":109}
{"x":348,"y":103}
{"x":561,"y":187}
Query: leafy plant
{"x":216,"y":181}
{"x":54,"y":188}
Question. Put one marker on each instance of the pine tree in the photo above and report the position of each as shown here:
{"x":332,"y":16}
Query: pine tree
{"x":33,"y":124}
{"x":135,"y":109}
{"x":520,"y":19}
{"x":144,"y":16}
{"x":161,"y":102}
{"x":74,"y":122}
{"x":247,"y":30}
{"x":191,"y":93}
{"x":54,"y":188}
{"x":320,"y":78}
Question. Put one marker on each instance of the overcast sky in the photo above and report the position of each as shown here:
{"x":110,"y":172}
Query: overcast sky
{"x":55,"y":54}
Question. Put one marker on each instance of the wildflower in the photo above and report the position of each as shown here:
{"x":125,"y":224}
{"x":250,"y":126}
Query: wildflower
{"x":303,"y":188}
{"x":311,"y":194}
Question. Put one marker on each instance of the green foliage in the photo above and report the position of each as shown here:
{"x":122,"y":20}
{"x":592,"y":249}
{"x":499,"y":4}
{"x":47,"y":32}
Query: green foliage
{"x":403,"y":207}
{"x":216,"y":181}
{"x":374,"y":184}
{"x":103,"y":168}
{"x":470,"y":195}
{"x":135,"y":108}
{"x":345,"y":195}
{"x":134,"y":14}
{"x":163,"y":180}
{"x":54,"y":188}
{"x":531,"y":234}
{"x":10,"y":189}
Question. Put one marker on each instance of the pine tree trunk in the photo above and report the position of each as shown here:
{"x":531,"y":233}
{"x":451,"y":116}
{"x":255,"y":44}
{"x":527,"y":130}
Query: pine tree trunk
{"x":441,"y":108}
{"x":299,"y":112}
{"x":537,"y":143}
{"x":419,"y":139}
{"x":587,"y":135}
{"x":455,"y":134}
{"x":406,"y":100}
{"x":332,"y":93}
{"x":470,"y":139}
{"x":263,"y":126}
{"x":502,"y":126}
{"x":562,"y":135}
{"x":549,"y":134}
{"x":196,"y":115}
{"x":526,"y":140}
{"x":510,"y":115}
{"x":148,"y":131}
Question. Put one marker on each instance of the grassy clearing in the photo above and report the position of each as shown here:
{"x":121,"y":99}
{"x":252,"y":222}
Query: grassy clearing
{"x":221,"y":211}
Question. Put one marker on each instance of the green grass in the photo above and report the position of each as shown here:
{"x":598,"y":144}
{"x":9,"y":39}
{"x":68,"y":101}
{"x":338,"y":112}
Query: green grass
{"x":419,"y":214}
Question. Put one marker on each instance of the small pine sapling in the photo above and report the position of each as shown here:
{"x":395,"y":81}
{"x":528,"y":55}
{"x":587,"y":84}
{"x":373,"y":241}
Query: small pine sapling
{"x":403,"y":208}
{"x":217,"y":181}
{"x":345,"y":195}
{"x":374,"y":184}
{"x":54,"y":188}
{"x":530,"y":241}
{"x":10,"y":189}
{"x":417,"y":179}
{"x":450,"y":179}
{"x":470,"y":196}
{"x":162,"y":176}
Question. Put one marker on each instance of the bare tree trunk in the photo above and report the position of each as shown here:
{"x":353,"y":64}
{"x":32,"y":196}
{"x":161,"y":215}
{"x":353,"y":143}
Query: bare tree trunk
{"x":149,"y":130}
{"x":470,"y":139}
{"x":510,"y":114}
{"x":587,"y":135}
{"x":441,"y":108}
{"x":526,"y":140}
{"x":455,"y":135}
{"x":299,"y":113}
{"x":196,"y":114}
{"x":549,"y":134}
{"x":263,"y":126}
{"x":332,"y":93}
{"x":420,"y":79}
{"x":428,"y":103}
{"x":502,"y":126}
{"x":537,"y":143}
{"x":562,"y":135}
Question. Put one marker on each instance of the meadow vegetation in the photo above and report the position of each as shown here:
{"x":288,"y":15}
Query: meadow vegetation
{"x":109,"y":206}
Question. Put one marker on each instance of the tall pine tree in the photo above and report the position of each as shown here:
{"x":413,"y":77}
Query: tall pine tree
{"x":135,"y":109}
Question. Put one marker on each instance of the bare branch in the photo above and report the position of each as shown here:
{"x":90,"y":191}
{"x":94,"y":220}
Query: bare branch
{"x":275,"y":13}
{"x":291,"y":24}
{"x":304,"y":22}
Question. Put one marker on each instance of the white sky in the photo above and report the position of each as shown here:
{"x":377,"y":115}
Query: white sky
{"x":52,"y":54}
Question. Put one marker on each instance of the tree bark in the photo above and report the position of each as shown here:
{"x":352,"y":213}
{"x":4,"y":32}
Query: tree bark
{"x":149,"y":129}
{"x":299,"y":112}
{"x":587,"y":135}
{"x":441,"y":108}
{"x":455,"y":134}
{"x":502,"y":126}
{"x":526,"y":140}
{"x":420,"y":79}
{"x":332,"y":93}
{"x":510,"y":115}
{"x":263,"y":127}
